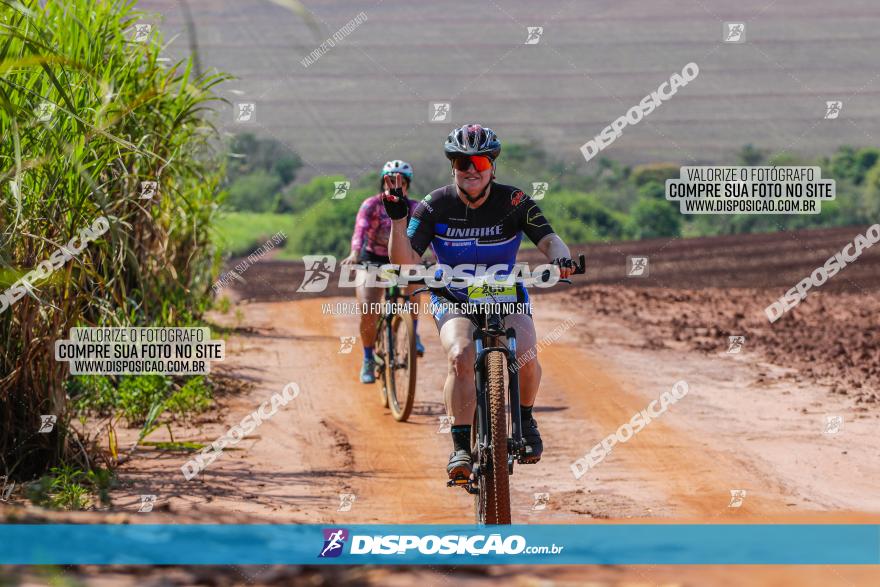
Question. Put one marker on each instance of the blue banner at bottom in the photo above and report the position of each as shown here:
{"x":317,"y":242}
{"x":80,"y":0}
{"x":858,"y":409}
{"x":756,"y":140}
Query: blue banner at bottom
{"x":606,"y":544}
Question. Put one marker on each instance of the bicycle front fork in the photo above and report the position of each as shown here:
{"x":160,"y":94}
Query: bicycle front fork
{"x":515,"y":439}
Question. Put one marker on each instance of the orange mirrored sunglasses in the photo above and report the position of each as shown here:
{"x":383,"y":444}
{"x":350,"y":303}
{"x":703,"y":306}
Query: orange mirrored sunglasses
{"x":479,"y":162}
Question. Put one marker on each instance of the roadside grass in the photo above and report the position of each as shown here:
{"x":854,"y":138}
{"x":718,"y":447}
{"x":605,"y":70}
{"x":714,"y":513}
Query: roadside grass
{"x":69,"y":488}
{"x":240,"y":233}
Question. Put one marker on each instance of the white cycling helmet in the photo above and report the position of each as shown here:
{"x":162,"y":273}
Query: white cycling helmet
{"x":398,"y":166}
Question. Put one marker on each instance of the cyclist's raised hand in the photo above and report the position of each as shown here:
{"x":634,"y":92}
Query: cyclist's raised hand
{"x":395,"y":201}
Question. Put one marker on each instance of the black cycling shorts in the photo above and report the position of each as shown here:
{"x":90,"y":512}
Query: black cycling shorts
{"x":371,"y":258}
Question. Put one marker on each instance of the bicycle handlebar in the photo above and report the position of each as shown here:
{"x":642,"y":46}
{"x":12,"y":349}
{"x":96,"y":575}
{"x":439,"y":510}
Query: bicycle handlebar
{"x":579,"y":269}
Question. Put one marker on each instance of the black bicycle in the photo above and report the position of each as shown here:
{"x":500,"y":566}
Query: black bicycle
{"x":493,"y":451}
{"x":395,"y":356}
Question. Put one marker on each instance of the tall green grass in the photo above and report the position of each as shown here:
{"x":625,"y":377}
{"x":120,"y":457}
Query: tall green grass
{"x":121,"y":116}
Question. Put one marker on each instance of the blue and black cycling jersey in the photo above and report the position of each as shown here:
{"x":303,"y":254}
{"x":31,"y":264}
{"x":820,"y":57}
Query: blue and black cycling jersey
{"x":487,"y":235}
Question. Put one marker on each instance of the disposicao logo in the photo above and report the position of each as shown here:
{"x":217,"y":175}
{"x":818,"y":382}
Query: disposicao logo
{"x":431,"y":545}
{"x":334,"y":541}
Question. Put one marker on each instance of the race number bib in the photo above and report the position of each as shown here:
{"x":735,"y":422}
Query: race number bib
{"x":485,"y":293}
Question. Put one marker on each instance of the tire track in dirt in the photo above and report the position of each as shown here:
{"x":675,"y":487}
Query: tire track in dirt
{"x":398,"y":468}
{"x":695,"y":478}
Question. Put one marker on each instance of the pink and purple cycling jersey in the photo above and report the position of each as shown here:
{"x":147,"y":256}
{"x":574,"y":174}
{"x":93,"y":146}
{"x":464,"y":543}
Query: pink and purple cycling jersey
{"x":372,"y":228}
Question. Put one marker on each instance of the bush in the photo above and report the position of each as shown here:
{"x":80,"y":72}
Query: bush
{"x":654,"y":172}
{"x":91,"y":394}
{"x":652,"y":218}
{"x":69,"y":488}
{"x":749,"y":155}
{"x":326,"y":227}
{"x":303,"y":197}
{"x":851,"y":164}
{"x":872,"y":195}
{"x":652,"y":190}
{"x":249,"y":154}
{"x":255,"y":192}
{"x":578,"y":217}
{"x":141,"y":394}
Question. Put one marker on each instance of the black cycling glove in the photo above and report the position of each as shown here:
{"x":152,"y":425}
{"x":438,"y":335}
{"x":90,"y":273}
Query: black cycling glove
{"x":565,"y":262}
{"x":396,"y":204}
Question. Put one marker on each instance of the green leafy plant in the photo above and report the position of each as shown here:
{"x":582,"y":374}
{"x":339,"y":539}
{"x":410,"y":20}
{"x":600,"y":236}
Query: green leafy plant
{"x":69,"y":488}
{"x":193,"y":397}
{"x":118,"y":115}
{"x":222,"y":304}
{"x":139,"y":395}
{"x":92,"y":394}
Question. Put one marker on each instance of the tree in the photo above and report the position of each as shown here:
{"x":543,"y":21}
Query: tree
{"x":249,"y":153}
{"x":325,"y":228}
{"x":652,"y":218}
{"x":579,"y":217}
{"x":255,"y":192}
{"x":657,"y":172}
{"x":653,"y":190}
{"x":749,"y":155}
{"x":872,"y":194}
{"x":303,"y":196}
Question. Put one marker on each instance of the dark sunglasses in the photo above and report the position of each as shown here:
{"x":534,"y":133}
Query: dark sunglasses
{"x":478,"y":162}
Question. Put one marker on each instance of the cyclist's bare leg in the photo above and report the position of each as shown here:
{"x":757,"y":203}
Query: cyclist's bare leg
{"x":529,"y":379}
{"x":456,"y":338}
{"x":368,"y":299}
{"x":526,"y":354}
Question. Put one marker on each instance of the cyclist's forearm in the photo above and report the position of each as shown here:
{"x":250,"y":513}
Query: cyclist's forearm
{"x":399,"y":247}
{"x":553,"y":247}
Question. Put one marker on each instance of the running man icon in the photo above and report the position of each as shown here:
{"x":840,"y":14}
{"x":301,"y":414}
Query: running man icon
{"x":334,"y":539}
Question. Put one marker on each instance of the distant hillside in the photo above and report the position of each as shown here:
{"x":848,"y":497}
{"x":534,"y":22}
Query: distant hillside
{"x":367,"y":99}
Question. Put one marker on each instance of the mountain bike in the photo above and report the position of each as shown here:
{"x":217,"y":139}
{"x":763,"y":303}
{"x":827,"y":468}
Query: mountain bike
{"x":395,"y":356}
{"x":493,"y":451}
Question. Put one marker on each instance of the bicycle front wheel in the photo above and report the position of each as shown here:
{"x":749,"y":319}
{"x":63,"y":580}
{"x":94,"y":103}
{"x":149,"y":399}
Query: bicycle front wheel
{"x":381,"y":357}
{"x":402,"y":369}
{"x":495,"y":479}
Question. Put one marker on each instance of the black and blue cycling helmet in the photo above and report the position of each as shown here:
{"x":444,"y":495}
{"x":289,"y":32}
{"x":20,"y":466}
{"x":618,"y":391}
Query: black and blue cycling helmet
{"x":472,"y":139}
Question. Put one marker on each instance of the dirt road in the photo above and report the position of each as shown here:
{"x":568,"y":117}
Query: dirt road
{"x":732,"y":431}
{"x":735,"y":430}
{"x":751,"y":422}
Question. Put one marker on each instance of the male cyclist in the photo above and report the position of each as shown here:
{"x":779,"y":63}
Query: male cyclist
{"x":476,"y":221}
{"x":369,"y":246}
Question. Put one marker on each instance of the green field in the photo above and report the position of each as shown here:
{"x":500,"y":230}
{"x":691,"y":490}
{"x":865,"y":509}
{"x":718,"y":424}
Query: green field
{"x":239,"y":233}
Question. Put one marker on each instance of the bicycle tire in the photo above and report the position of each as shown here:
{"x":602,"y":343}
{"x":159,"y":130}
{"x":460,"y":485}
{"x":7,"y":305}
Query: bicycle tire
{"x":498,"y":486}
{"x":402,"y":370}
{"x":381,"y":346}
